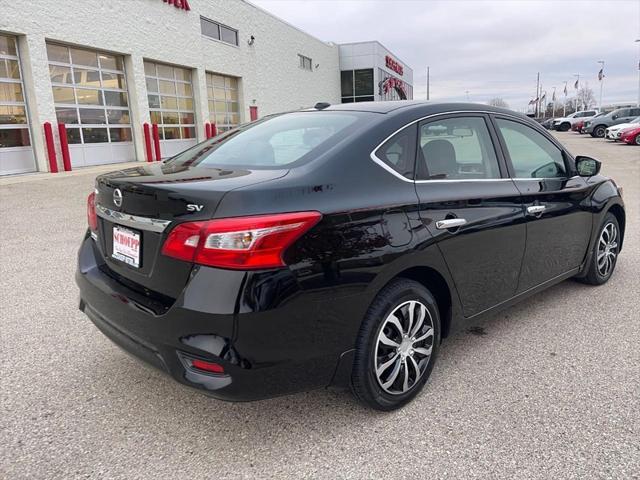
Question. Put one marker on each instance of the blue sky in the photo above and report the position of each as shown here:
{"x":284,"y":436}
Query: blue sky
{"x":490,"y":48}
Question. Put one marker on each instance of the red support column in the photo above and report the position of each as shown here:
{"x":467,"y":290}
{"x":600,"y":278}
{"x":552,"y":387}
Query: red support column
{"x":207,"y":130}
{"x":147,"y":142}
{"x":214,"y":130}
{"x":156,"y":142}
{"x":51,"y":148}
{"x":64,"y":146}
{"x":253,"y":113}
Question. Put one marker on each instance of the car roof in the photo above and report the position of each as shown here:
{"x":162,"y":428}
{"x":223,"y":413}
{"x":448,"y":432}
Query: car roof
{"x":419,"y":105}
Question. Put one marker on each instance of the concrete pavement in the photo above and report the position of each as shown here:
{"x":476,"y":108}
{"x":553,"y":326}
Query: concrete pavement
{"x":549,"y":388}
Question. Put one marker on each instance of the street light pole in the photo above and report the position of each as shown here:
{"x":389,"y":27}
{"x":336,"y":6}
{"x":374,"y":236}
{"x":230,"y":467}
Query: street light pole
{"x":601,"y":62}
{"x":638,"y":41}
{"x":427,"y":83}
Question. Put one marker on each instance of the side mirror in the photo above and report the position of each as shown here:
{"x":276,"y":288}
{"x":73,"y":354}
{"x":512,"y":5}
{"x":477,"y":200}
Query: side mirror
{"x":587,"y":166}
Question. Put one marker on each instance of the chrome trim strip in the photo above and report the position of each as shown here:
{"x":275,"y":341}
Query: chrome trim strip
{"x":405,"y":179}
{"x":133,"y":221}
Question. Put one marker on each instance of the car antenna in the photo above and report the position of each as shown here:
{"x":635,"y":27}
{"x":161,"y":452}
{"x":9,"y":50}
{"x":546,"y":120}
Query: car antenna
{"x":321,"y":105}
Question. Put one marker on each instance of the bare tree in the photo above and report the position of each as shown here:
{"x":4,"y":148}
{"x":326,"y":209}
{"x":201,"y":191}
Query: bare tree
{"x":585,"y":97}
{"x":498,"y":102}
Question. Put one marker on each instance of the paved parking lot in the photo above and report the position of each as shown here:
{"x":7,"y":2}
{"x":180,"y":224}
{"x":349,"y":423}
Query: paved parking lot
{"x":547,"y":389}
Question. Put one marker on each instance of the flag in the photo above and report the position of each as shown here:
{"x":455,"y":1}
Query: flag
{"x":601,"y":74}
{"x":544,"y":97}
{"x":553,"y":97}
{"x":531,"y":102}
{"x":565,"y":89}
{"x":576,"y":84}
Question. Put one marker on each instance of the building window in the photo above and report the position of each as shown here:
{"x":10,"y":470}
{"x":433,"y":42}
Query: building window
{"x":393,"y":88}
{"x":357,"y":85}
{"x":217,"y":31}
{"x":305,"y":62}
{"x":90,"y":94}
{"x":170,"y":95}
{"x":224,"y":110}
{"x":14,"y":127}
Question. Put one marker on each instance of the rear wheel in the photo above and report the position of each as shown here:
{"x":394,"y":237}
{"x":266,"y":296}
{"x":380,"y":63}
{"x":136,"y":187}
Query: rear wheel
{"x":598,"y":131}
{"x":637,"y":140}
{"x":397,"y":346}
{"x":603,"y":261}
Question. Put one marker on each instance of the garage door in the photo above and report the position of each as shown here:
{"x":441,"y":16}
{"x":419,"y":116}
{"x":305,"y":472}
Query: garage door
{"x":171,"y":106}
{"x":90,"y":95}
{"x":16,"y":154}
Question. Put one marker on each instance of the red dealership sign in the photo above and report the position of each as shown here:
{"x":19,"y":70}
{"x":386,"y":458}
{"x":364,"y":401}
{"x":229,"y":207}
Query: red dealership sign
{"x":183,"y":4}
{"x":394,"y":65}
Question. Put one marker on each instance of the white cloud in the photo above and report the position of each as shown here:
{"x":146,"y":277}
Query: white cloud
{"x":491,"y":48}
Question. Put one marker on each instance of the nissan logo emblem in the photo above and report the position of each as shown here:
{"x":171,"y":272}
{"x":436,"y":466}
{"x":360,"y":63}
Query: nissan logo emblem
{"x":117,"y":197}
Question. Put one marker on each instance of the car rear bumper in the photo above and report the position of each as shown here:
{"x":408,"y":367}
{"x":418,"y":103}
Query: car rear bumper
{"x":264,"y":351}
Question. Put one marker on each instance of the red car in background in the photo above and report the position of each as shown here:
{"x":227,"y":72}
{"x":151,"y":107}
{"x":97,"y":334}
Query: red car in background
{"x":631,"y":136}
{"x":577,"y":127}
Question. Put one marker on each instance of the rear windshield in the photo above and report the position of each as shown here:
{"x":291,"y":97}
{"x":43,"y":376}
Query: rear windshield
{"x":273,"y":142}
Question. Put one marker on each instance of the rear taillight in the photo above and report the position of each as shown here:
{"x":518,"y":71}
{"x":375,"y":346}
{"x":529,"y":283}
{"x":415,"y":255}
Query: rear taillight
{"x":241,"y":243}
{"x":92,"y":217}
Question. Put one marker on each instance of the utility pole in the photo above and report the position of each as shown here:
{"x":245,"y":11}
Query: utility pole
{"x":601,"y":62}
{"x":553,"y":102}
{"x":564,"y":105}
{"x":427,"y":83}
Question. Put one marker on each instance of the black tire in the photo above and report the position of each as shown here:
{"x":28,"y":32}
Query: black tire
{"x":598,"y":131}
{"x":395,"y":298}
{"x":637,"y":140}
{"x":595,"y":273}
{"x":564,"y":127}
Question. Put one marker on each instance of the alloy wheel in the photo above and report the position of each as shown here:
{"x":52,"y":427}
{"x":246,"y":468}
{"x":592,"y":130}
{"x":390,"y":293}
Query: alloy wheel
{"x":403,"y":347}
{"x":607,"y":249}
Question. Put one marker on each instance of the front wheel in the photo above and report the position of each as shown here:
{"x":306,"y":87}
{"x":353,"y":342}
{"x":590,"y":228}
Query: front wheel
{"x":397,"y":346}
{"x":605,"y":255}
{"x":637,"y":140}
{"x":564,"y":127}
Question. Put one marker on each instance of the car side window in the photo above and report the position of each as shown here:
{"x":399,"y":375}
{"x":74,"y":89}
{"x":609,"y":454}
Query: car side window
{"x":399,"y":152}
{"x":457,"y":148}
{"x":532,"y":154}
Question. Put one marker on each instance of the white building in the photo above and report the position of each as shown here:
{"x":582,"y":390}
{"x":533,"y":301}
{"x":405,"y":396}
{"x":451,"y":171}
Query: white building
{"x":110,"y":69}
{"x":369,"y":71}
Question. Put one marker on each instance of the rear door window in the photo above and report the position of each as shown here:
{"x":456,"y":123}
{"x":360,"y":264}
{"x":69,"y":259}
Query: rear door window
{"x":457,"y":148}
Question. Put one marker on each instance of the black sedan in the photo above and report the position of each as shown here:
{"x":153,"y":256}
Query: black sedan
{"x":339,"y":245}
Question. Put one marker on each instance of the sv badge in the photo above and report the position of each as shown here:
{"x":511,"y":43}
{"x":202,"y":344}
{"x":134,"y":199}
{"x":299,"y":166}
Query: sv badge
{"x":194,"y":208}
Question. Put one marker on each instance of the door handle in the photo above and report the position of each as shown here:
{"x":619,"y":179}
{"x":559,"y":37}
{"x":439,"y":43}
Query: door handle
{"x":536,"y":209}
{"x":450,"y":223}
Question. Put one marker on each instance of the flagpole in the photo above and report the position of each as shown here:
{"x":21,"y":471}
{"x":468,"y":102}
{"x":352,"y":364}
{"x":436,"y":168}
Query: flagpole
{"x":553,"y":102}
{"x":564,"y":105}
{"x":601,"y":62}
{"x":577,"y":90}
{"x":537,"y":96}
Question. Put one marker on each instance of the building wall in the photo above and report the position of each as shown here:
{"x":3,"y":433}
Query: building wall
{"x":360,"y":55}
{"x":270,"y":74}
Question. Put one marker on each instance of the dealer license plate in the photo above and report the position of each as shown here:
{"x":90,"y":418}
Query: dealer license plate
{"x":126,"y":246}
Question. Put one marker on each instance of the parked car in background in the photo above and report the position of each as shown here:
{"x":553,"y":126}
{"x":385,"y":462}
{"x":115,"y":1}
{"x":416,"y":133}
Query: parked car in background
{"x":563,"y":124}
{"x":577,"y":126}
{"x":597,"y":126}
{"x":339,"y":244}
{"x":613,"y":133}
{"x":548,"y":123}
{"x":631,"y":135}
